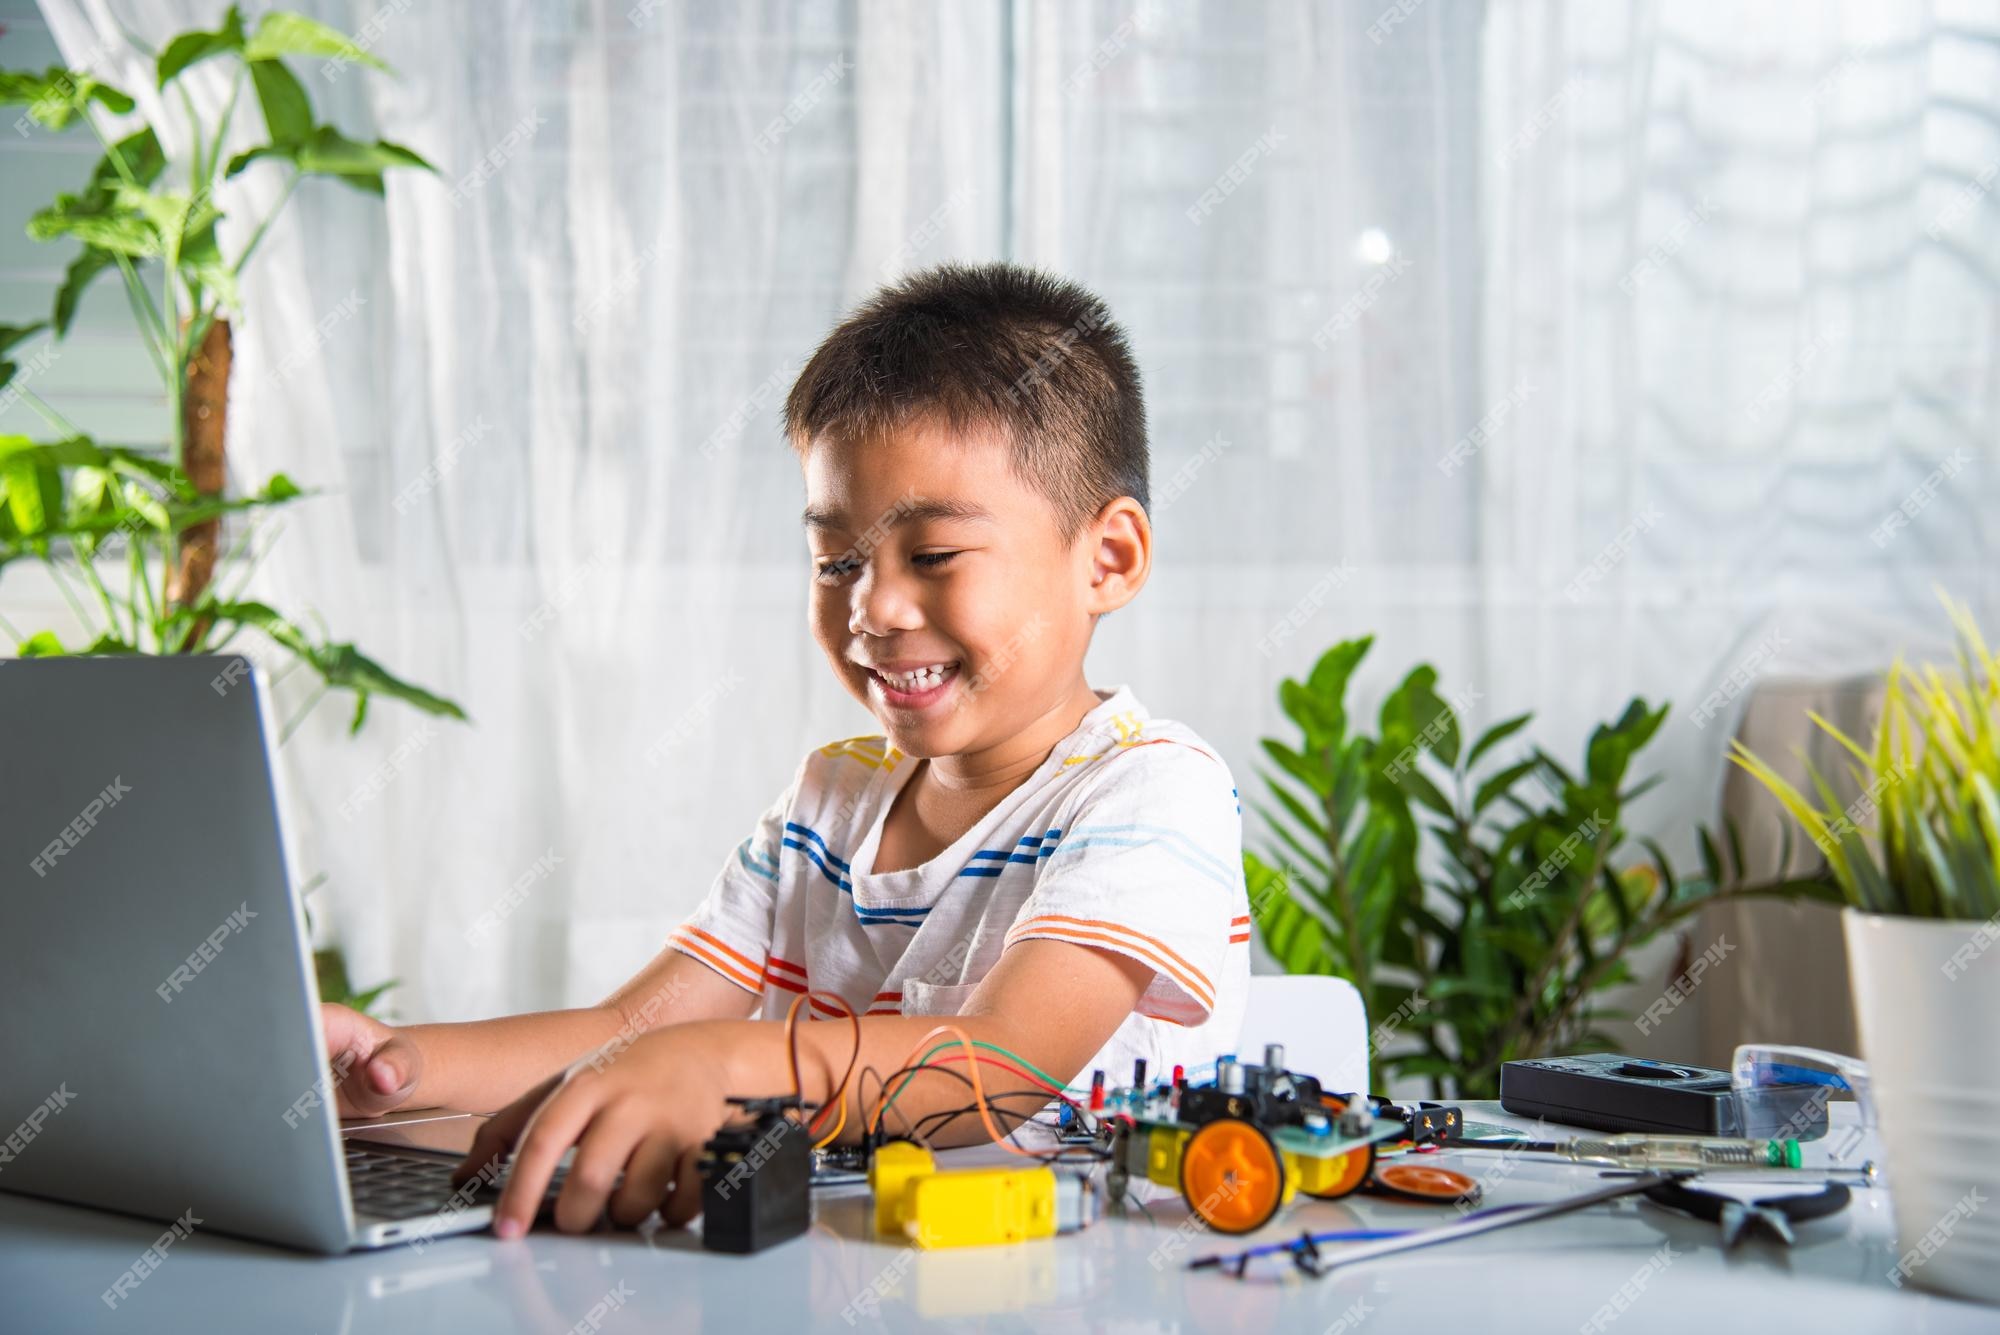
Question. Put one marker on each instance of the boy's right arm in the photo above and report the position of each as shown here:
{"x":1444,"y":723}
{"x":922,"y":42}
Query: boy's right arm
{"x":484,"y":1065}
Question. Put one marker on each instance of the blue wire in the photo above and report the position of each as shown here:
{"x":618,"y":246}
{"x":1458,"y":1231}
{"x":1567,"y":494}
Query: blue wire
{"x":1354,"y":1235}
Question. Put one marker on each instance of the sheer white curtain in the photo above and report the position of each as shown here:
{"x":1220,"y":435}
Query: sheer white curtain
{"x":556,"y":490}
{"x":1751,"y":253}
{"x":1597,"y":340}
{"x":1375,"y":260}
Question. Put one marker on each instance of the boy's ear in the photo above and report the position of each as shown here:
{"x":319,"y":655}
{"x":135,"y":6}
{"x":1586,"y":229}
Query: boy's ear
{"x":1120,"y":543}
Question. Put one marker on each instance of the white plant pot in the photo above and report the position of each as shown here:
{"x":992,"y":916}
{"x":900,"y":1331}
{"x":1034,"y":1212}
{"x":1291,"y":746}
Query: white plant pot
{"x":1927,"y":997}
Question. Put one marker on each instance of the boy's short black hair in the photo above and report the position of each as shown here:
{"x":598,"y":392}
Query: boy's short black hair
{"x":972,"y":345}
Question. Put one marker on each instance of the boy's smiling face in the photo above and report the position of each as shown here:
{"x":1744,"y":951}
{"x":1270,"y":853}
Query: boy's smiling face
{"x":944,"y":594}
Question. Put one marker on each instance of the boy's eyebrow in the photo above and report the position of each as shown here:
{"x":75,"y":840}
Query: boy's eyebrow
{"x":917,"y":508}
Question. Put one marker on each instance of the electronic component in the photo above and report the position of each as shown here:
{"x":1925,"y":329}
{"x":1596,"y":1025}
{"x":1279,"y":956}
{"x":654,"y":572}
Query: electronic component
{"x":1608,"y":1092}
{"x":1425,"y":1123}
{"x":1244,"y":1146}
{"x":755,"y":1178}
{"x":972,"y":1207}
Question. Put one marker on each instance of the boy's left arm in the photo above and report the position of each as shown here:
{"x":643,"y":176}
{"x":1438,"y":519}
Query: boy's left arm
{"x":647,"y":1114}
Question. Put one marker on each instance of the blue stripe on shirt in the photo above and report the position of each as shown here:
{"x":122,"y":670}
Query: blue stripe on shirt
{"x":767,"y":870}
{"x":1092,"y":838}
{"x":868,"y":917}
{"x":1038,"y":846}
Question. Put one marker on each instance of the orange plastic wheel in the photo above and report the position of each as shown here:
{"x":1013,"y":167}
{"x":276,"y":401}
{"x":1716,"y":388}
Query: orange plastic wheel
{"x":1427,"y":1182}
{"x":1232,"y":1176}
{"x":1353,"y":1171}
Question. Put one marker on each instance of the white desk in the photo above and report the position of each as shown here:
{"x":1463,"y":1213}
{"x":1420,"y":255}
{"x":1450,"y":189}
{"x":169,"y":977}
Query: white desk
{"x":1550,"y":1276}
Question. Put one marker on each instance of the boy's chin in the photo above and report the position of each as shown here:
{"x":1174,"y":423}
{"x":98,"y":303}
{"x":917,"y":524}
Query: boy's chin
{"x":942,"y":731}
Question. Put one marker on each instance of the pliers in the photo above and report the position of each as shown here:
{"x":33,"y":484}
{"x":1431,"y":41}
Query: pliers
{"x":1772,"y":1216}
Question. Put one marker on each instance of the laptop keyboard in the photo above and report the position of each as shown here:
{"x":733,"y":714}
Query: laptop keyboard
{"x":401,"y":1186}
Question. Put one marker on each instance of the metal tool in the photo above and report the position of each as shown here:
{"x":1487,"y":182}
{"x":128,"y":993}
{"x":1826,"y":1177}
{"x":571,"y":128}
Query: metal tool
{"x":1772,"y":1216}
{"x":1305,"y":1252}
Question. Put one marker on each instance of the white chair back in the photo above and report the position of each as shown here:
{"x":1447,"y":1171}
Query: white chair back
{"x":1319,"y":1019}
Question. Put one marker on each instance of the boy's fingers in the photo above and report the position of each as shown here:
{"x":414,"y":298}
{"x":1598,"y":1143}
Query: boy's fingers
{"x":681,"y":1208}
{"x":499,"y":1132}
{"x":648,"y":1177}
{"x":601,"y":1154}
{"x":384,"y":1080}
{"x":395,"y":1066}
{"x":554,"y":1128}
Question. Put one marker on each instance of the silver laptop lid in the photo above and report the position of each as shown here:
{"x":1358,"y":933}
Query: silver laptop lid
{"x":160,"y":1050}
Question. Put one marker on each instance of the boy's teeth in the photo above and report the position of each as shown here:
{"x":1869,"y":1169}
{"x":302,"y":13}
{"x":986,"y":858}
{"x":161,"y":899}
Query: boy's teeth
{"x":921,"y":679}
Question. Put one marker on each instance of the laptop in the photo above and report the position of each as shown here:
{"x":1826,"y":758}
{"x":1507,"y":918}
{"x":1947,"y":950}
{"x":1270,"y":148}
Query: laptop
{"x":160,"y":1045}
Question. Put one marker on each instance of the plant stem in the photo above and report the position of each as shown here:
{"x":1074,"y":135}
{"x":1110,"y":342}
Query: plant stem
{"x":228,"y":114}
{"x":136,"y":559}
{"x":49,"y":414}
{"x":195,"y":172}
{"x":69,"y":595}
{"x":148,"y":315}
{"x":285,"y":733}
{"x":257,"y":237}
{"x":87,"y":562}
{"x":1558,"y":949}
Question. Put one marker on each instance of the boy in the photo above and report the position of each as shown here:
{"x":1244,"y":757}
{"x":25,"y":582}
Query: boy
{"x":1040,"y":861}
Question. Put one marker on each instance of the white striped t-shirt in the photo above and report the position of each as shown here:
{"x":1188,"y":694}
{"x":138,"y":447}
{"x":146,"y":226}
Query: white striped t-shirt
{"x":1128,"y":838}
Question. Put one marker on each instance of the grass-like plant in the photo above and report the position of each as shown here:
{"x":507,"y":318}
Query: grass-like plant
{"x":1922,"y":837}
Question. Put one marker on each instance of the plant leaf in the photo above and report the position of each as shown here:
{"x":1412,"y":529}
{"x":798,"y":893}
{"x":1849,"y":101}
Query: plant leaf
{"x":327,"y":152}
{"x":93,"y":261}
{"x":1489,"y":791}
{"x":287,"y":110}
{"x":57,"y":96}
{"x":1496,"y":734}
{"x":281,"y":33}
{"x":340,"y":665}
{"x":191,"y":48}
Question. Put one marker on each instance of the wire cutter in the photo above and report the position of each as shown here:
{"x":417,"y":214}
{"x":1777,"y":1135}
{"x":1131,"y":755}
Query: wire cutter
{"x":1773,"y":1216}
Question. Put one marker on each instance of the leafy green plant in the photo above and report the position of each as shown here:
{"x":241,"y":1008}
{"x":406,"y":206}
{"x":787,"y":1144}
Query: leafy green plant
{"x":1922,"y":838}
{"x":330,"y":965}
{"x":1480,"y":903}
{"x":114,"y":518}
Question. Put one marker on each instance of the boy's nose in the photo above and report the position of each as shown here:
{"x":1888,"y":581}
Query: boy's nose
{"x":881,"y":605}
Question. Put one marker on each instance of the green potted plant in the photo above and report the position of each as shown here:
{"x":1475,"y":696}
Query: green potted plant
{"x":147,"y":544}
{"x":1481,"y":903}
{"x":1917,"y":855}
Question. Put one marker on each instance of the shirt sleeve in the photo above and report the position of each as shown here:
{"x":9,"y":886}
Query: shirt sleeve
{"x":1148,"y":864}
{"x":730,"y":931}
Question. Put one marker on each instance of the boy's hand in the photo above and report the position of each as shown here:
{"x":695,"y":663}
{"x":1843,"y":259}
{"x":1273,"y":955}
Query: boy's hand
{"x":645,"y":1115}
{"x":375,"y":1069}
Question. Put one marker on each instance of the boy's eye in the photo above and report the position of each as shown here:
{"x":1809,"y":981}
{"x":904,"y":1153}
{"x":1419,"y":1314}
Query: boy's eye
{"x":841,"y":567}
{"x":837,"y":569}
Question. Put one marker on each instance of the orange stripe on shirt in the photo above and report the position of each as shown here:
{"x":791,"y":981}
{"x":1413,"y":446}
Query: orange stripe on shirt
{"x":1240,"y":936}
{"x":772,"y":980}
{"x":694,"y":949}
{"x":1165,"y":1019}
{"x":888,"y":996}
{"x":1154,"y":942}
{"x":841,"y":1011}
{"x":1072,"y":934}
{"x":800,"y":969}
{"x":1243,"y":921}
{"x":752,"y":965}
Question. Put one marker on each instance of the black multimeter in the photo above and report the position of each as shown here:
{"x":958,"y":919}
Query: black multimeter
{"x":1603,"y":1091}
